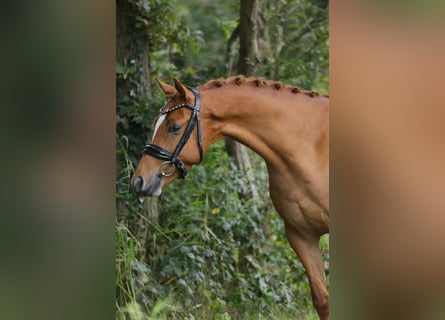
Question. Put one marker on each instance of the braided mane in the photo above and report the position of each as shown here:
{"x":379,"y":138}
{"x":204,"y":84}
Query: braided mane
{"x":240,"y":80}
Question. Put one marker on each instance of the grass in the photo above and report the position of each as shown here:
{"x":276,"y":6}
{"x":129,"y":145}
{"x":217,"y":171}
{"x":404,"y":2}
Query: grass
{"x":172,"y":309}
{"x":132,"y":301}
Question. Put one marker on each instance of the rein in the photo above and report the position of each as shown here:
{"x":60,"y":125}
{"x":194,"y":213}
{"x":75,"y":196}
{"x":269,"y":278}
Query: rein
{"x":172,"y":162}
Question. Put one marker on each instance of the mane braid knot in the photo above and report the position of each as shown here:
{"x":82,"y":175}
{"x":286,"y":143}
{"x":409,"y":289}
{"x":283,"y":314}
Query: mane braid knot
{"x":279,"y":86}
{"x":259,"y":82}
{"x":220,"y":83}
{"x":240,"y":80}
{"x":313,"y":94}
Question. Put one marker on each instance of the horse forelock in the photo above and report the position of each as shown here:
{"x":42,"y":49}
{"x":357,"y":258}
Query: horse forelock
{"x":242,"y":81}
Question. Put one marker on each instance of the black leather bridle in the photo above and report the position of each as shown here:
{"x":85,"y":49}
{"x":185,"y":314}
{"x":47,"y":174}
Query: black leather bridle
{"x":171,"y":159}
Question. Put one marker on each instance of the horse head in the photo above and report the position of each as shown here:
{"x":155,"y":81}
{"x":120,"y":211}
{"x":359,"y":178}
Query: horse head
{"x":176,"y":143}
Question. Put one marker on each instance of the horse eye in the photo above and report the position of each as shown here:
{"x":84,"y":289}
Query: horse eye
{"x":174,"y":128}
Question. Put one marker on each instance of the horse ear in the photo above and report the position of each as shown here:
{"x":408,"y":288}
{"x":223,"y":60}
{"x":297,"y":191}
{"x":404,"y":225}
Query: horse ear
{"x":168,"y":90}
{"x":180,"y":88}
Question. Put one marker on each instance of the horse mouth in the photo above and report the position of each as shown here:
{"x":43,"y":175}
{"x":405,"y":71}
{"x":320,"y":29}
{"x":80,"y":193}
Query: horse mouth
{"x":148,"y":187}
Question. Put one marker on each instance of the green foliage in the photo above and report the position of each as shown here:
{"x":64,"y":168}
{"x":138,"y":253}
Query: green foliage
{"x":210,"y":254}
{"x":216,"y":253}
{"x":301,"y":30}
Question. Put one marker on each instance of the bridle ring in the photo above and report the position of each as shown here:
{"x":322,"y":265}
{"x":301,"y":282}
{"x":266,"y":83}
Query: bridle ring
{"x":170,"y":171}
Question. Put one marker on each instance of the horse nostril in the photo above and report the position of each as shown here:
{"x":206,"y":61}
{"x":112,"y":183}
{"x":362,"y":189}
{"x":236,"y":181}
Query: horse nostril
{"x":138,"y":184}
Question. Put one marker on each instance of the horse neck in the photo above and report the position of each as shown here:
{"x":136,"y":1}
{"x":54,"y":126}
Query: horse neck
{"x":272,"y":122}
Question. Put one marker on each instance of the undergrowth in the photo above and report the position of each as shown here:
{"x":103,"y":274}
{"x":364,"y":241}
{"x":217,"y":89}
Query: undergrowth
{"x":209,"y":254}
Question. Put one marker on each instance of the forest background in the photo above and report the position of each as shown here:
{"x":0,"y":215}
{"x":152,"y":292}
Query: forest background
{"x":213,"y":246}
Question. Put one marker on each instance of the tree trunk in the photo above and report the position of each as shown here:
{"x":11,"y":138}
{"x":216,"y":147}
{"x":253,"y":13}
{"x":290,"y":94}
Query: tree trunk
{"x":247,"y":31}
{"x":127,"y":51}
{"x":248,"y":51}
{"x":230,"y":50}
{"x":239,"y":153}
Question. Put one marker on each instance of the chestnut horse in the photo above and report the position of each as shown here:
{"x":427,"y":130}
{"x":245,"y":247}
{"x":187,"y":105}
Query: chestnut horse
{"x":286,"y":126}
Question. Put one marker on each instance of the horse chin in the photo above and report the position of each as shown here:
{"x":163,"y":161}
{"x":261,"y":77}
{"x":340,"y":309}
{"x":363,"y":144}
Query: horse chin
{"x":157,"y":193}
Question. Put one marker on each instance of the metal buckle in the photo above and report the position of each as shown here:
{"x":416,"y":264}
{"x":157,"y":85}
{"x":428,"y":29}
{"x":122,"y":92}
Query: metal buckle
{"x":170,"y":171}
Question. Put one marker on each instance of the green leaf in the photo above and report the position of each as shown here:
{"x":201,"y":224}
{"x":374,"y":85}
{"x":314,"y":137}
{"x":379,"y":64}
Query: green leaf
{"x":119,"y":68}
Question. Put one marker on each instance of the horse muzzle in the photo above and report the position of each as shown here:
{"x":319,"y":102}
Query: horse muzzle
{"x":148,"y":188}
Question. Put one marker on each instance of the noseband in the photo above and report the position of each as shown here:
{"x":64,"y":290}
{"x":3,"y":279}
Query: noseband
{"x":171,"y":159}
